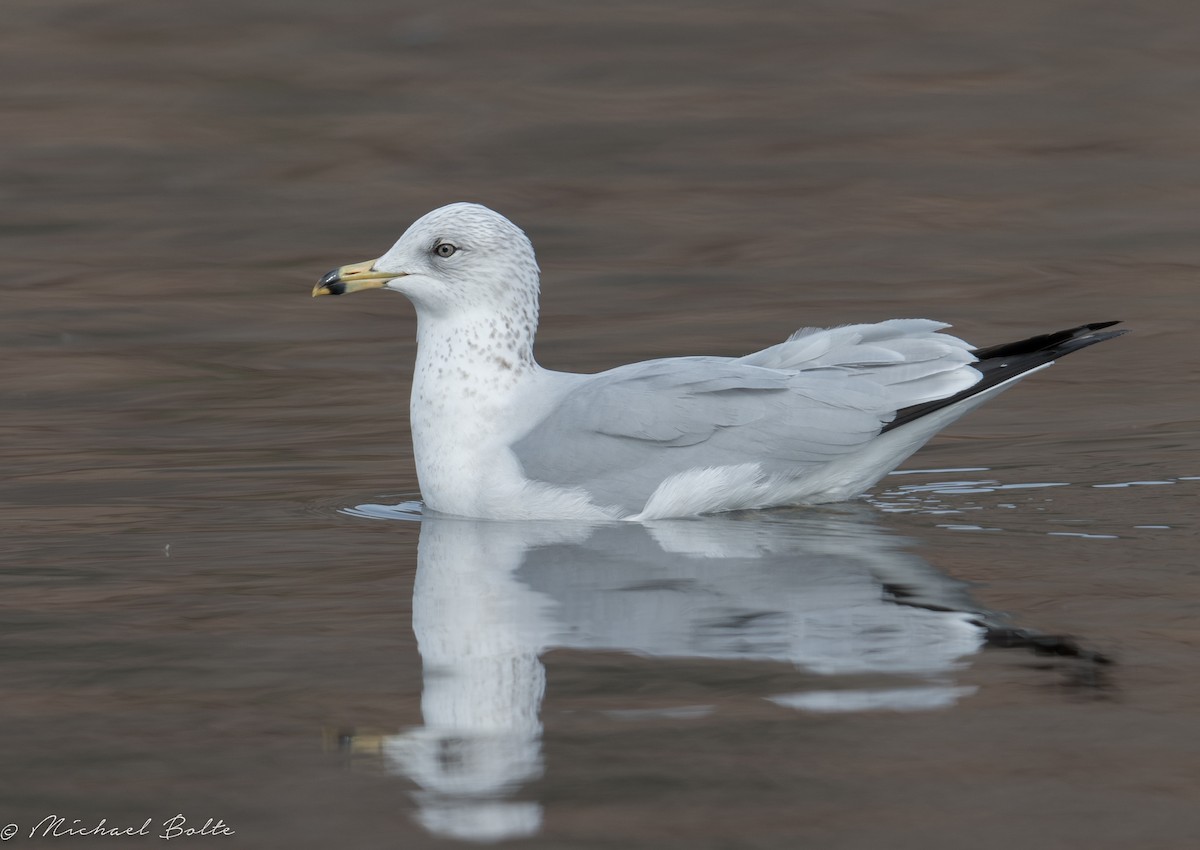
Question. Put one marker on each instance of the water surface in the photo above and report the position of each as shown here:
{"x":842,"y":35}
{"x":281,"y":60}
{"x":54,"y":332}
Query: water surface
{"x":196,"y":619}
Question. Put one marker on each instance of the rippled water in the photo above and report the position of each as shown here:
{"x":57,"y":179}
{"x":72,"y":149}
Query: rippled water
{"x":212,"y":606}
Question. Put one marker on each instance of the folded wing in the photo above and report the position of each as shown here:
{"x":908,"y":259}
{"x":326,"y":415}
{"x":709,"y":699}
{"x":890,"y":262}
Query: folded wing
{"x":793,"y":407}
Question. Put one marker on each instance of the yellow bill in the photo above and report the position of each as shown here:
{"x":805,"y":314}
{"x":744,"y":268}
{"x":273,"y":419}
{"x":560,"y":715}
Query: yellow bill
{"x":351,"y":278}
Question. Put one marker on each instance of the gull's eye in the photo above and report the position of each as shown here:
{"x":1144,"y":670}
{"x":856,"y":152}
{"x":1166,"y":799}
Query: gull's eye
{"x":444,"y":249}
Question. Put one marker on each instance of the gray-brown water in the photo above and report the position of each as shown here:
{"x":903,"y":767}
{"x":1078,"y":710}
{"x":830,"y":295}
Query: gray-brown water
{"x":199,"y":617}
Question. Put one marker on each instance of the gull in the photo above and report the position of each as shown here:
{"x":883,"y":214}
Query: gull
{"x":820,"y":417}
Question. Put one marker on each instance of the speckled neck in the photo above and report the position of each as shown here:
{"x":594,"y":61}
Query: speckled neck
{"x":483,"y":344}
{"x":470,"y":370}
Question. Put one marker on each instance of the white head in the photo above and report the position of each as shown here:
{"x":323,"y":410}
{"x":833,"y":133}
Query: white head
{"x":458,"y":258}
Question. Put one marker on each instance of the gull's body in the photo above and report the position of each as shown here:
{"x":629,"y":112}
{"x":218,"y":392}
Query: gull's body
{"x":817,"y":418}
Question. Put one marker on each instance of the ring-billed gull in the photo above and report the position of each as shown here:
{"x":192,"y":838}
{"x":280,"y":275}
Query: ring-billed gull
{"x":817,"y":418}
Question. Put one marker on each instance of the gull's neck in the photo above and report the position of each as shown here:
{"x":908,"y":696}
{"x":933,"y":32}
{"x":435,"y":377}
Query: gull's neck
{"x":483,"y":349}
{"x":471,"y":372}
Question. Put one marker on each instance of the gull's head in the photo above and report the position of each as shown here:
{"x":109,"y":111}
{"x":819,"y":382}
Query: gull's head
{"x":456,"y":257}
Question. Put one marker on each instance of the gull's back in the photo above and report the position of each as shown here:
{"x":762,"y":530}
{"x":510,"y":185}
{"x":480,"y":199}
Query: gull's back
{"x":699,"y":434}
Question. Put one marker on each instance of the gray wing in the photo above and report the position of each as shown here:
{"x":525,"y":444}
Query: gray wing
{"x":798,"y":405}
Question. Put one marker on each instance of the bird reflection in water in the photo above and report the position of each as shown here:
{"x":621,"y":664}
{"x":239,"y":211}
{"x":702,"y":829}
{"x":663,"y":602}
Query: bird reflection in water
{"x":829,"y":592}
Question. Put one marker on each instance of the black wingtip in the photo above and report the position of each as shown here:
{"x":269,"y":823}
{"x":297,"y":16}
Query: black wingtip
{"x":1059,"y":342}
{"x":1001,"y":363}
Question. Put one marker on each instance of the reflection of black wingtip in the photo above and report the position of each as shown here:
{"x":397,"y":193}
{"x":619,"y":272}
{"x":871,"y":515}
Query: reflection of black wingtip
{"x":1088,"y":674}
{"x":1063,"y":646}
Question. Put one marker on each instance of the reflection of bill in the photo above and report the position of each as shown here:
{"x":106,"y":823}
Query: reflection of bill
{"x":828,"y":593}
